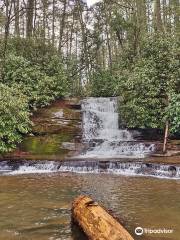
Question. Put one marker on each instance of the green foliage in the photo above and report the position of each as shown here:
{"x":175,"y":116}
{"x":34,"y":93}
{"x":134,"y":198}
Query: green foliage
{"x":174,"y":112}
{"x":148,"y":87}
{"x":33,"y":82}
{"x":103,"y":84}
{"x":14,"y":117}
{"x":33,"y":50}
{"x":74,"y":85}
{"x":35,"y":72}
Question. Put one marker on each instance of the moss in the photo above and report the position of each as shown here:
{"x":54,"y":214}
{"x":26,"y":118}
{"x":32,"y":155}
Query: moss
{"x":48,"y":144}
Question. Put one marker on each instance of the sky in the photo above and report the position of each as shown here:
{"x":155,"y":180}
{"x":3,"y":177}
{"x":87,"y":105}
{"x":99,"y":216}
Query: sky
{"x":91,"y":2}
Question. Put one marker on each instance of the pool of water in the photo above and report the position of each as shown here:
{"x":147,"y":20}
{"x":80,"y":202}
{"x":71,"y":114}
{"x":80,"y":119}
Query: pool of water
{"x":38,"y":206}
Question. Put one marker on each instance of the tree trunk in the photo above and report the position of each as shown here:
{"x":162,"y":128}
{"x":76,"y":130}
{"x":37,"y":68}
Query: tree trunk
{"x":62,"y":25}
{"x":53,"y":23}
{"x":166,"y":137}
{"x":158,"y":26}
{"x":35,"y":17}
{"x":108,"y":36}
{"x":175,"y":9}
{"x":142,"y":26}
{"x":16,"y":13}
{"x":45,"y":6}
{"x":71,"y":37}
{"x":85,"y":52}
{"x":7,"y":26}
{"x":29,"y":18}
{"x":165,"y":14}
{"x":96,"y":222}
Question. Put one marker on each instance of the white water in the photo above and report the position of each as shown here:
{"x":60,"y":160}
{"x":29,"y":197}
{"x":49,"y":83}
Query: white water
{"x":93,"y":167}
{"x":101,"y":130}
{"x":49,"y":167}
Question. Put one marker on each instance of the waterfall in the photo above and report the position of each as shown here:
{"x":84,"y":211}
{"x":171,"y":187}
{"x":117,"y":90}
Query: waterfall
{"x":91,"y":167}
{"x":101,"y":132}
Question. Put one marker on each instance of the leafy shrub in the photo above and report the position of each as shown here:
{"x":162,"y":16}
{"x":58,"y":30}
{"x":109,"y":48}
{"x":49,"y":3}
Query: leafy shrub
{"x":149,"y":86}
{"x":173,"y":112}
{"x":32,"y":76}
{"x":33,"y":50}
{"x":39,"y":87}
{"x":103,"y":84}
{"x":14,"y":117}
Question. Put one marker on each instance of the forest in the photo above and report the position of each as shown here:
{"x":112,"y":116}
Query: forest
{"x":51,"y":49}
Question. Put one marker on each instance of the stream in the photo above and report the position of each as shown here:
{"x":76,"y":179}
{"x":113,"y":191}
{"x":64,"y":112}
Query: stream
{"x":38,"y":206}
{"x":53,"y":166}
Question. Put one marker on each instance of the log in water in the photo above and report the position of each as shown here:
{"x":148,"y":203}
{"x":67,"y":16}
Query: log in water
{"x":96,"y":222}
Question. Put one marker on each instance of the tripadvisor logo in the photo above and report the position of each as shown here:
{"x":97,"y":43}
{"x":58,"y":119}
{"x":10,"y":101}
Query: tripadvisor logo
{"x":139,"y":231}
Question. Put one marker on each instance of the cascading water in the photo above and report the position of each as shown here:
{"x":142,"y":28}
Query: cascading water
{"x":93,"y":167}
{"x":101,"y":132}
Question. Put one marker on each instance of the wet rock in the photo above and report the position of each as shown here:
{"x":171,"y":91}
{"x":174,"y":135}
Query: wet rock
{"x":167,"y":154}
{"x":75,"y":106}
{"x":74,"y":103}
{"x":58,"y":114}
{"x":68,"y":146}
{"x":172,"y":171}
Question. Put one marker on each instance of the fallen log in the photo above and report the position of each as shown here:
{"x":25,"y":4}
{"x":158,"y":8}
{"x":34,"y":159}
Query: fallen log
{"x":96,"y":222}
